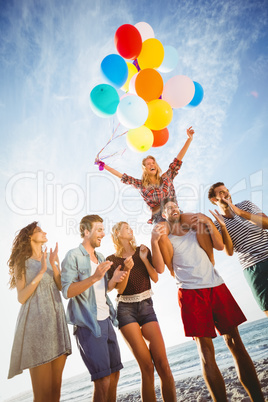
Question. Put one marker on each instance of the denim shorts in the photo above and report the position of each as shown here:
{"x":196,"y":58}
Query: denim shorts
{"x":101,"y":354}
{"x":257,"y":278}
{"x":140,"y":312}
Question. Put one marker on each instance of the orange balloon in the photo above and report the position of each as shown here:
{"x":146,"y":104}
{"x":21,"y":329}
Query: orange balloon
{"x":160,"y":114}
{"x":149,"y":84}
{"x":160,"y":137}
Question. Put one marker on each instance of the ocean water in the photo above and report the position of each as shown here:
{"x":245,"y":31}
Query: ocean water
{"x":183,"y":360}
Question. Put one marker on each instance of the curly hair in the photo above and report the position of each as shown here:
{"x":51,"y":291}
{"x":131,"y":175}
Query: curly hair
{"x":21,"y":251}
{"x":118,"y":246}
{"x":145,"y":179}
{"x":211,"y":191}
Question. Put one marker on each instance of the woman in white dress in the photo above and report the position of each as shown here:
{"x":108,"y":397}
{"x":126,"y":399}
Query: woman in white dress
{"x":41,"y":342}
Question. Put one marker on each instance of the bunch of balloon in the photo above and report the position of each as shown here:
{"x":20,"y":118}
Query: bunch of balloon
{"x":146,"y":108}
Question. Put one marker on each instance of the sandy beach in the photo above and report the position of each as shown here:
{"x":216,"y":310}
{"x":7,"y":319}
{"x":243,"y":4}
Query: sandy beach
{"x":193,"y":389}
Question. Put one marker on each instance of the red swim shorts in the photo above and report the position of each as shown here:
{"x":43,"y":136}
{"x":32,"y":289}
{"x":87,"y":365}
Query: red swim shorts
{"x":204,"y":309}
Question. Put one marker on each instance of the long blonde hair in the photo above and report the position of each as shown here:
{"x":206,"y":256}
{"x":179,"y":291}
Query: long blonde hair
{"x":118,"y":246}
{"x":145,"y":179}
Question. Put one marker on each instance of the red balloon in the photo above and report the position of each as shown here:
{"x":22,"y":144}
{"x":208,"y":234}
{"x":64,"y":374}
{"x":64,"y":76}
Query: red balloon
{"x":160,"y":137}
{"x":128,"y":41}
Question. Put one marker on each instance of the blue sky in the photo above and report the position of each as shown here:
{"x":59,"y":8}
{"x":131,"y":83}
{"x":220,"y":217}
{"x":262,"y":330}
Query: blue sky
{"x":50,"y":56}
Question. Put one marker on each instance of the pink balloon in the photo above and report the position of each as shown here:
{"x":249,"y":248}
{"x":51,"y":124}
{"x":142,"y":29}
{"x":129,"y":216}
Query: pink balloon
{"x":145,"y":30}
{"x":178,"y":91}
{"x":131,"y":87}
{"x":125,"y":95}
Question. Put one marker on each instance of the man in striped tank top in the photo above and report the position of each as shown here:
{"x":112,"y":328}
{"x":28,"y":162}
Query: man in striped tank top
{"x":244,"y":230}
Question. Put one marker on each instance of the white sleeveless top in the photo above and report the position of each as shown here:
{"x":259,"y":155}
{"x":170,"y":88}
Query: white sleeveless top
{"x":192,"y":267}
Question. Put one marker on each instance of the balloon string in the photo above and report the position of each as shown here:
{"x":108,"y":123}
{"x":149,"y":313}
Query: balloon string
{"x":98,"y":158}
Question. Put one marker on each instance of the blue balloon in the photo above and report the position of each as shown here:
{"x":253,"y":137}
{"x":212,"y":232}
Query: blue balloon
{"x":170,"y":61}
{"x":198,"y":96}
{"x":114,"y":69}
{"x":104,"y":100}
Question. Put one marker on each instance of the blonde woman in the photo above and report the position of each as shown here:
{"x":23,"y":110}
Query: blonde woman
{"x":154,"y":188}
{"x":137,"y":319}
{"x":42,"y":342}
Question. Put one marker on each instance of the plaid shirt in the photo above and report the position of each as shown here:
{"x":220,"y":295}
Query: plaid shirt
{"x":153,"y":196}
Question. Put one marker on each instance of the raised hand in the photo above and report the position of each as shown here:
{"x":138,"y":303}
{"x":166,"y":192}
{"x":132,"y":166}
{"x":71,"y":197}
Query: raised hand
{"x":158,"y":231}
{"x":44,"y":261}
{"x":101,"y":164}
{"x":218,"y":217}
{"x":118,"y":275}
{"x":143,"y":252}
{"x":128,"y":263}
{"x":233,"y":208}
{"x":101,"y":270}
{"x":195,"y":219}
{"x":190,"y":132}
{"x":53,"y":256}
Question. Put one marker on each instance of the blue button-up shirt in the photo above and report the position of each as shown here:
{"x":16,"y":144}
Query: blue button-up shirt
{"x":82,"y":309}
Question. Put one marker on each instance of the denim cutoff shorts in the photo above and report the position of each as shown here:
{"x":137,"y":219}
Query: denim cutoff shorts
{"x":141,"y":312}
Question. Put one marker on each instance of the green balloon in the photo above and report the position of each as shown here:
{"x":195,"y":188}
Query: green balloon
{"x":104,"y":100}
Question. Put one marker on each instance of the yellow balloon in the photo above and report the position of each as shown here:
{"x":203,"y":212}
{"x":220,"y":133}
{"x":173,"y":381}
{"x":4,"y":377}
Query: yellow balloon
{"x":152,"y":54}
{"x":132,"y":70}
{"x":160,"y":114}
{"x":140,"y":139}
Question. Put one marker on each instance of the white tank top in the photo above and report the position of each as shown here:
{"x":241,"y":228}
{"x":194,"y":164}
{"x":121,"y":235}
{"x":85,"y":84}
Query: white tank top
{"x":192,"y":267}
{"x":99,"y":289}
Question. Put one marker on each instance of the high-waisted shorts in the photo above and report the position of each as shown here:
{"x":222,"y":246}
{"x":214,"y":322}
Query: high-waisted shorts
{"x":141,"y":312}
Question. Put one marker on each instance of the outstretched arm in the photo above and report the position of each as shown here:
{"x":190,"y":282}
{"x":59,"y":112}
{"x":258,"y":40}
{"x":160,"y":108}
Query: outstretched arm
{"x":190,"y":133}
{"x":228,"y":244}
{"x":113,"y":171}
{"x":260,"y":220}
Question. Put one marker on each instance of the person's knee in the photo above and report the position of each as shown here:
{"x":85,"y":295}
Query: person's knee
{"x":115,"y":377}
{"x":102,"y":384}
{"x":233,"y":340}
{"x":163,"y":369}
{"x":147,"y":368}
{"x":205,"y":350}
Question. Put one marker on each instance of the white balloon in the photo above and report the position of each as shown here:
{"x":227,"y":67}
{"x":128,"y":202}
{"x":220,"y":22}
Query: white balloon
{"x":132,"y":111}
{"x":145,"y":30}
